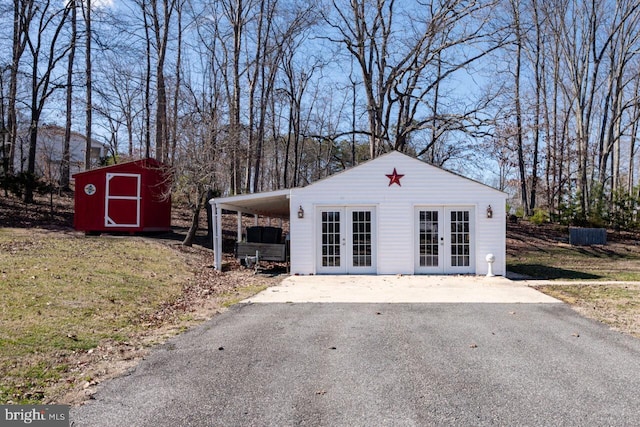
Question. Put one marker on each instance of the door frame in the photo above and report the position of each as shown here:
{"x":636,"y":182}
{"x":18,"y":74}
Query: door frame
{"x":445,"y":239}
{"x":108,"y":222}
{"x":346,"y":239}
{"x":440,"y":268}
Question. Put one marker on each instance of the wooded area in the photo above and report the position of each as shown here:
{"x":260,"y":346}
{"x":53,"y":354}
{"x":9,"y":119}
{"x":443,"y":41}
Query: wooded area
{"x":540,"y":99}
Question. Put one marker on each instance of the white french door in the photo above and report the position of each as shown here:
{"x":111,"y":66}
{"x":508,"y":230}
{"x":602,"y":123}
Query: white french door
{"x":430,"y":240}
{"x":346,"y":240}
{"x":444,"y":240}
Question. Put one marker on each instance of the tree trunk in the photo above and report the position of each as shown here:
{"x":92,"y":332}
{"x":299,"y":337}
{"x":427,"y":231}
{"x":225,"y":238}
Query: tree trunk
{"x":23,"y":12}
{"x":176,"y":96}
{"x":195,"y":218}
{"x":147,"y":83}
{"x":161,"y":24}
{"x":66,"y":155}
{"x":89,"y":85}
{"x":519,"y":131}
{"x":539,"y":72}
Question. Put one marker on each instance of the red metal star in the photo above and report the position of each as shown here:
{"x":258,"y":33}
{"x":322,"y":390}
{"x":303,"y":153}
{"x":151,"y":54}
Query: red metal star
{"x":394,"y":178}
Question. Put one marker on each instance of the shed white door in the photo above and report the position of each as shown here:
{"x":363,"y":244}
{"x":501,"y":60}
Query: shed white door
{"x":346,"y":240}
{"x":122,"y":203}
{"x":444,"y":240}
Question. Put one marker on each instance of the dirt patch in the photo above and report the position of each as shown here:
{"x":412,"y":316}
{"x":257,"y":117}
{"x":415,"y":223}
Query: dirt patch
{"x":52,"y":213}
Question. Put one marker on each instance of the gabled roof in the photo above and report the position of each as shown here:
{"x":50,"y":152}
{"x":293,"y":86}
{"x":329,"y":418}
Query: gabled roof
{"x":276,"y":203}
{"x":404,"y":157}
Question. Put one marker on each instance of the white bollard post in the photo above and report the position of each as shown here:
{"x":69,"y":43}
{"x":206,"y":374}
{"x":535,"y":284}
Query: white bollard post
{"x":490,"y":258}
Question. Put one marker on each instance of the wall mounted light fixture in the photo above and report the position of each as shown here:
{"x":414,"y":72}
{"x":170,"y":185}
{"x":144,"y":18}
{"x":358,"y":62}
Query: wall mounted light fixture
{"x":300,"y":212}
{"x":489,"y":212}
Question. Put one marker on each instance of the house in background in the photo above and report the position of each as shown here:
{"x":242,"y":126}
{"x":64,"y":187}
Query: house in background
{"x":391,"y":215}
{"x":49,"y":152}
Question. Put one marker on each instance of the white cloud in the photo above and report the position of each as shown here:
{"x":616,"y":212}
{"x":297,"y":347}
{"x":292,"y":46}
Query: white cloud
{"x":101,"y":3}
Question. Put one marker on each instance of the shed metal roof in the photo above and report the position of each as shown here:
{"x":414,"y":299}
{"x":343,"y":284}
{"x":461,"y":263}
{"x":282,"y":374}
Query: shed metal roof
{"x":274,"y":204}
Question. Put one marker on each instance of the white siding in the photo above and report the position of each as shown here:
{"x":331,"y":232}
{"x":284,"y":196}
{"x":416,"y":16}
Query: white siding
{"x":396,"y":237}
{"x":302,"y":252}
{"x":421,"y":185}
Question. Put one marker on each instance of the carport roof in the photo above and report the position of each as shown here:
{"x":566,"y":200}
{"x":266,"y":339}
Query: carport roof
{"x":274,"y":204}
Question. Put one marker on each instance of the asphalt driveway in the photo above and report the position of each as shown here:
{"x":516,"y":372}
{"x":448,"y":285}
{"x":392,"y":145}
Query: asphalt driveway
{"x":379,"y":364}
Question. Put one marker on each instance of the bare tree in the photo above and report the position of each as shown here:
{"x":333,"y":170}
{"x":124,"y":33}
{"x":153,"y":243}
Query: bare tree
{"x":515,"y":9}
{"x":634,"y":135}
{"x":24,"y":12}
{"x":236,"y":12}
{"x":624,"y":36}
{"x":198,"y":165}
{"x":121,"y":97}
{"x":143,"y":5}
{"x":42,"y":87}
{"x":66,"y":155}
{"x":88,"y":82}
{"x":161,"y":19}
{"x":397,"y":65}
{"x":3,"y":129}
{"x":173,"y":130}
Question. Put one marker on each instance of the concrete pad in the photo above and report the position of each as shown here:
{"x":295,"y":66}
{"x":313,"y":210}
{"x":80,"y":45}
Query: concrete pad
{"x":400,"y":289}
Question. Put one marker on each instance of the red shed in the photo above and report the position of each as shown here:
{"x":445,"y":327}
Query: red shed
{"x":131,"y":197}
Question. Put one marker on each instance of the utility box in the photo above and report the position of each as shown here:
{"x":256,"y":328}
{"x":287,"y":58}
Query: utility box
{"x":128,"y":197}
{"x":587,"y":236}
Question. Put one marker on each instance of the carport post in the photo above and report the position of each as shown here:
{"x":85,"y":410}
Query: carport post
{"x":216,"y":235}
{"x":218,"y":253}
{"x":239,"y":226}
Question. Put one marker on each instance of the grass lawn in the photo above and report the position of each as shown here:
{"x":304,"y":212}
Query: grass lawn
{"x":73,"y":306}
{"x":64,"y":293}
{"x":544,"y":253}
{"x":564,"y":262}
{"x":617,"y":305}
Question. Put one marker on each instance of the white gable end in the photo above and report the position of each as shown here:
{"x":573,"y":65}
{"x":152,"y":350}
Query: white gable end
{"x":395,"y":208}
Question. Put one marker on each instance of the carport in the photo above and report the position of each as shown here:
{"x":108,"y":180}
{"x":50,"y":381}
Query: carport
{"x":273,"y":204}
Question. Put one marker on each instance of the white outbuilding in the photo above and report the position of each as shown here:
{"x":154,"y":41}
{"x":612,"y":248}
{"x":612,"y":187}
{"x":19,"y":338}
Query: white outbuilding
{"x":391,"y":215}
